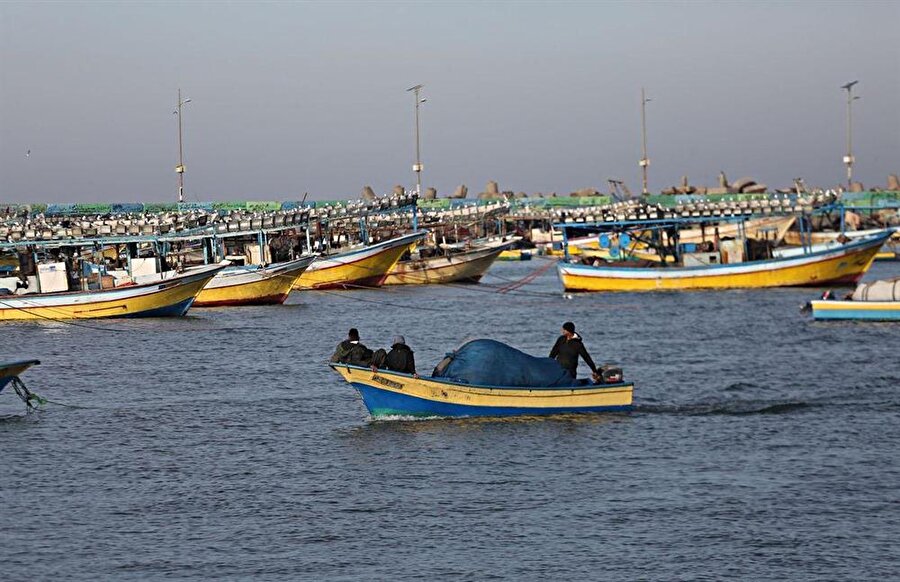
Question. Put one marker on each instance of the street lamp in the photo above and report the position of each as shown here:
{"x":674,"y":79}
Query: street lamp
{"x":179,"y":169}
{"x":848,"y":159}
{"x":417,"y":167}
{"x":644,"y":162}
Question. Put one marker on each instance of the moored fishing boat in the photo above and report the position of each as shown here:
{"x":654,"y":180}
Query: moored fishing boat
{"x":454,"y":266}
{"x":722,"y":264}
{"x":9,"y":374}
{"x":525,"y":386}
{"x":363,"y":267}
{"x":856,"y":310}
{"x":875,"y":301}
{"x":169,"y":297}
{"x":254,"y":284}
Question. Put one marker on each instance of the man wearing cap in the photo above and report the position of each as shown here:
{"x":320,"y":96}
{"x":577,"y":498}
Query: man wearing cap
{"x":567,"y":349}
{"x":400,"y":358}
{"x":351,"y":351}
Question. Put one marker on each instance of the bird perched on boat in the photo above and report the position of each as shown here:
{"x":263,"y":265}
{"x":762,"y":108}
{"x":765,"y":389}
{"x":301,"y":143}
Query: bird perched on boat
{"x":568,"y":348}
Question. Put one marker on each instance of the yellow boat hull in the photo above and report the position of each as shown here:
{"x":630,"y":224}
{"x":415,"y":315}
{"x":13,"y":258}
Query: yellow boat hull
{"x":840,"y":266}
{"x":171,"y":297}
{"x":393,"y":394}
{"x":269,"y":286}
{"x":366,"y":267}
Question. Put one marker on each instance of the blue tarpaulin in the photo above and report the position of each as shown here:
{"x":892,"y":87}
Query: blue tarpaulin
{"x":491,"y":363}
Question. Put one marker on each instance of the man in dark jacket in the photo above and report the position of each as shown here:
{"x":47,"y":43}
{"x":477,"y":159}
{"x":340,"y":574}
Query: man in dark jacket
{"x":567,"y":349}
{"x":400,"y":358}
{"x":351,"y":351}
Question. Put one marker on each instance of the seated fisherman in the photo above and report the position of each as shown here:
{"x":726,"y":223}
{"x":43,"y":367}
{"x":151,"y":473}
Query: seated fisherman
{"x":351,"y":351}
{"x":400,"y":358}
{"x":567,"y":349}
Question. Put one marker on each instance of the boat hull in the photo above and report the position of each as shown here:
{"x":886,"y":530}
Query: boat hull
{"x":468,"y":267}
{"x":844,"y":266}
{"x":514,"y":255}
{"x":265,"y":286}
{"x":393,"y":394}
{"x":366,"y":267}
{"x":11,"y":370}
{"x":167,"y":298}
{"x":856,"y":310}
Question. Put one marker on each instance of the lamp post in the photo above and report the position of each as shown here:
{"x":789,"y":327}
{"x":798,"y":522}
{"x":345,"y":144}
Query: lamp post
{"x":179,"y":169}
{"x":644,"y":163}
{"x":848,"y":159}
{"x":417,"y":167}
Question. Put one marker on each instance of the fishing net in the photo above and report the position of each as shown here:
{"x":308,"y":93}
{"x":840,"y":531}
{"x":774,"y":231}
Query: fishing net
{"x":492,"y":363}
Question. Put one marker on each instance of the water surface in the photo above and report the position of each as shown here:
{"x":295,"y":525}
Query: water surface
{"x":220,"y":446}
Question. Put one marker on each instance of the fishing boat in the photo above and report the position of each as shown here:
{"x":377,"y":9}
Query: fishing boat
{"x":363,"y":267}
{"x":875,"y":301}
{"x":856,"y":310}
{"x":451,"y":394}
{"x":515,"y":255}
{"x":253,"y":284}
{"x":773,"y":228}
{"x":719,"y":264}
{"x":171,"y":297}
{"x":10,"y":371}
{"x":388,"y":393}
{"x":451,"y":266}
{"x":9,"y":374}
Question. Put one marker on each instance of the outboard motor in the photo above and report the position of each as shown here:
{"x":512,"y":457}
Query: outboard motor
{"x":611,"y":374}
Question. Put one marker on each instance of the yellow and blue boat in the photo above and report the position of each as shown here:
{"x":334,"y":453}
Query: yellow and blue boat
{"x":723,"y":266}
{"x":391,"y":394}
{"x":856,"y":310}
{"x":367,"y":266}
{"x":872,"y":301}
{"x":170,"y":297}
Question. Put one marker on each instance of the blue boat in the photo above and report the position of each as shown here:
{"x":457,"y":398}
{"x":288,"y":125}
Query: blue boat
{"x":516,"y":385}
{"x":874,"y":301}
{"x":856,"y":310}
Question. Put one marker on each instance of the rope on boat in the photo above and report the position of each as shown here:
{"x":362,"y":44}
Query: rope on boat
{"x":27,"y":396}
{"x":32,"y":400}
{"x":355,"y":298}
{"x":526,"y":279}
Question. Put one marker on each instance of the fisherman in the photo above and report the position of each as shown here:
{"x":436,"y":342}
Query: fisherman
{"x":567,"y":349}
{"x":400,"y":358}
{"x":351,"y":351}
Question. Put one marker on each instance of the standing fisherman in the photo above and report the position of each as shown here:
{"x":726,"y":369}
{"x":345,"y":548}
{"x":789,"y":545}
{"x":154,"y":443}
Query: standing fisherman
{"x":567,"y":349}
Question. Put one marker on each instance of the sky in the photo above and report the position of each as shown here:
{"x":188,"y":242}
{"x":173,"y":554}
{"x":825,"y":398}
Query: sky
{"x":296,"y":97}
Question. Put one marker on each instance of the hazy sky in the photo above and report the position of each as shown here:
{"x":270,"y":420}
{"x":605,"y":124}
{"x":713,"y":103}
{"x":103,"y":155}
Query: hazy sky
{"x":310,"y":97}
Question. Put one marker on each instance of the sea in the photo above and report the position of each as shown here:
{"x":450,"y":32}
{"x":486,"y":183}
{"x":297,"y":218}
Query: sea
{"x":220,"y":446}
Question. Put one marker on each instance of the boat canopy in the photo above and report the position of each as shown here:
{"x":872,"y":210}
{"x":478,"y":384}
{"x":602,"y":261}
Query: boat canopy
{"x":487,"y":362}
